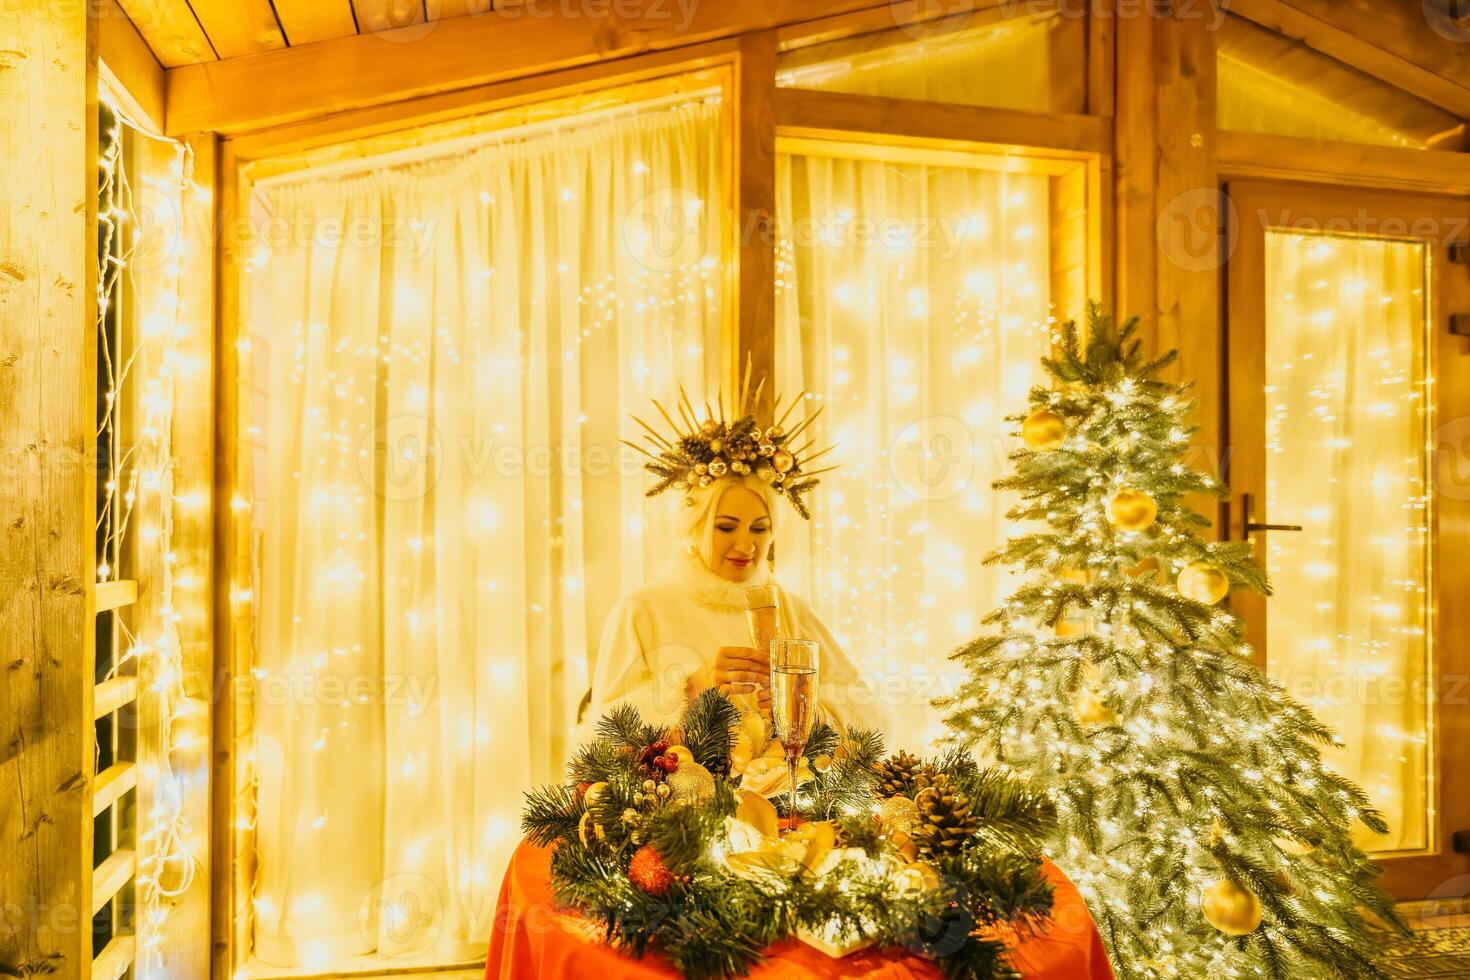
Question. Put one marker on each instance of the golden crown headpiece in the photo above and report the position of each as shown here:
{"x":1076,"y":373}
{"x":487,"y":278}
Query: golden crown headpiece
{"x":694,"y":454}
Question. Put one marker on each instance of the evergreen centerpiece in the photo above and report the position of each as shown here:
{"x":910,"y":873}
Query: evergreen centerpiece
{"x":660,"y":836}
{"x":1195,"y":812}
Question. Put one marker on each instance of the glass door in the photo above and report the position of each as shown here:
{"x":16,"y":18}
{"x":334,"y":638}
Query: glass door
{"x":1345,"y":387}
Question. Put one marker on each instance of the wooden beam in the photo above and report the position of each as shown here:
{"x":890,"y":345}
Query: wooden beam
{"x":48,"y":412}
{"x":111,"y":784}
{"x":1169,"y":217}
{"x":131,"y":70}
{"x":115,"y":595}
{"x":1394,"y":42}
{"x":1348,"y":164}
{"x":755,"y":211}
{"x":115,"y":959}
{"x":110,"y":877}
{"x":808,"y":113}
{"x":229,"y":920}
{"x":113,"y":694}
{"x":242,"y":94}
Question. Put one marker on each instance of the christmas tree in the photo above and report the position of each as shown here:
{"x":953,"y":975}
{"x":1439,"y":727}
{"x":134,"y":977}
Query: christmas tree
{"x":1195,"y":812}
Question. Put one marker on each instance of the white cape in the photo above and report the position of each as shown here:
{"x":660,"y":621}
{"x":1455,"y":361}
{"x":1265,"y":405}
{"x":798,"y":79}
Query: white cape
{"x":660,"y":641}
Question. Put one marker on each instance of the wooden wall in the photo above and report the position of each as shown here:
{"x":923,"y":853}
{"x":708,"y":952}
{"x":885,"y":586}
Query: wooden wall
{"x":48,"y":87}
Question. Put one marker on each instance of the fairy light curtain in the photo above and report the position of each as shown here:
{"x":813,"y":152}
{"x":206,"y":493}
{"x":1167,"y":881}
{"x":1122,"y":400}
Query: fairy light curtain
{"x":1346,"y":435}
{"x":153,"y":334}
{"x":449,"y":514}
{"x":913,"y":300}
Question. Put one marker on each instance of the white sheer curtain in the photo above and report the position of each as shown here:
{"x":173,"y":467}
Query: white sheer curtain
{"x":1346,"y":435}
{"x":914,"y":303}
{"x":452,"y":348}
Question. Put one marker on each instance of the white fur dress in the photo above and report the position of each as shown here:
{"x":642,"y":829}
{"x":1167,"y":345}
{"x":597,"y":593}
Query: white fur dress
{"x":660,"y":642}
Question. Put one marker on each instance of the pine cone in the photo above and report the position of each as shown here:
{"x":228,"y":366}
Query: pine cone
{"x":945,"y":821}
{"x":897,"y":775}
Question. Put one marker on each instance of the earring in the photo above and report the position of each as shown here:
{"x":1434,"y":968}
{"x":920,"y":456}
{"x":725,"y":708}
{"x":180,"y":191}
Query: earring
{"x":690,"y":547}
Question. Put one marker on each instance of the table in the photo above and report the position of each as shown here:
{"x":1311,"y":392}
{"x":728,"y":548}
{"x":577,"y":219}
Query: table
{"x":532,"y":940}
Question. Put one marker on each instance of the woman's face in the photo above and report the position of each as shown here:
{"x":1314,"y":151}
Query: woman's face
{"x":742,"y":534}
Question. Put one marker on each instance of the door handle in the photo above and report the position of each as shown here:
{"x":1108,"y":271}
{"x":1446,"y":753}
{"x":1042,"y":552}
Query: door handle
{"x":1251,"y":526}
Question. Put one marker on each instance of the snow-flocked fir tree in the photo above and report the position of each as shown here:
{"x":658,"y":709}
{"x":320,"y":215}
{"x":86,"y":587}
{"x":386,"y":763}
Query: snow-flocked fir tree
{"x":1196,"y":814}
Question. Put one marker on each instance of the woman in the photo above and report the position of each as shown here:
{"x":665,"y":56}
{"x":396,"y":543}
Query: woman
{"x":669,"y":640}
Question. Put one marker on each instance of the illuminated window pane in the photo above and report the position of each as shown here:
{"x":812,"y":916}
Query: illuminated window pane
{"x":1028,"y":62}
{"x":913,"y":300}
{"x":1269,"y":83}
{"x":1348,"y":628}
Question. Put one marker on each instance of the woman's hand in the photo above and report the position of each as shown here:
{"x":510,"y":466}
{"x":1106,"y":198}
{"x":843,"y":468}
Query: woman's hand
{"x":743,"y":665}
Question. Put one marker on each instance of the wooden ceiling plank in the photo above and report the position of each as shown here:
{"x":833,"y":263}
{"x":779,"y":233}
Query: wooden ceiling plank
{"x":239,"y":27}
{"x":242,"y":94}
{"x":306,"y":21}
{"x":445,"y":9}
{"x":171,"y":30}
{"x":1378,"y":39}
{"x":380,"y":16}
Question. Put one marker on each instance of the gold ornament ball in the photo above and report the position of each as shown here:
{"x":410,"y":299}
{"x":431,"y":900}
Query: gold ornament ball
{"x":1233,"y":910}
{"x":682,"y":753}
{"x":898,"y":813}
{"x":782,"y":461}
{"x":1043,"y":430}
{"x":691,"y":783}
{"x":593,"y":794}
{"x":1091,"y":709}
{"x":1132,"y":510}
{"x":1203,"y":582}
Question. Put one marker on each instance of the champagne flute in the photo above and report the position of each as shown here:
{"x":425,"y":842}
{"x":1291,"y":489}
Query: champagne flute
{"x":794,"y":665}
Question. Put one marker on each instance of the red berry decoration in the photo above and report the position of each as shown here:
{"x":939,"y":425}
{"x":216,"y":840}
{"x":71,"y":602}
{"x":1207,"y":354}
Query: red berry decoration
{"x":649,"y":872}
{"x":582,"y":790}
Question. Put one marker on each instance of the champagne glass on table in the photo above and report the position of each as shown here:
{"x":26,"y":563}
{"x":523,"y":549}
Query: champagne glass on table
{"x":794,"y":666}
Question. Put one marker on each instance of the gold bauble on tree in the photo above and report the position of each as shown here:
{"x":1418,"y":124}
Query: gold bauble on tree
{"x":1233,"y":910}
{"x":1043,"y":430}
{"x":1203,"y":582}
{"x":1132,"y":510}
{"x":691,"y":783}
{"x":899,"y":813}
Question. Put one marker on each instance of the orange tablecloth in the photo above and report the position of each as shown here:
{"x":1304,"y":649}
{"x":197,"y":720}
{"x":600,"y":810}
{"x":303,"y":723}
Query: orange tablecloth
{"x":533,"y":940}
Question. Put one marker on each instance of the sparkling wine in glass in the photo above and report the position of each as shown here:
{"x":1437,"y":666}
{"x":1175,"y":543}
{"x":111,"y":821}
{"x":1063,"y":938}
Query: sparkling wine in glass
{"x":794,"y":666}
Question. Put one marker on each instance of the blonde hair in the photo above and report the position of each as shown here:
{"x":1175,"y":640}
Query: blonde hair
{"x":697,"y":521}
